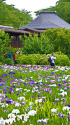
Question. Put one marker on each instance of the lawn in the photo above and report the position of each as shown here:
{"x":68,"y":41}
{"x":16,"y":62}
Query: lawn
{"x":34,"y":95}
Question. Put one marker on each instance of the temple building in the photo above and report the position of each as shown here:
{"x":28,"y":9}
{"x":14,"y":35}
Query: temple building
{"x":46,"y":20}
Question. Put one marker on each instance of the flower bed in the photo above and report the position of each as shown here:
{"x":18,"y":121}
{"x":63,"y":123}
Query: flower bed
{"x":34,"y":95}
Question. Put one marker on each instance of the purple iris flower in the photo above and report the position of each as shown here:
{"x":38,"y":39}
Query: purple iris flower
{"x":4,"y":90}
{"x":57,"y":79}
{"x":40,"y":92}
{"x":68,"y":117}
{"x":64,"y":81}
{"x":37,"y":83}
{"x":68,"y":105}
{"x":59,"y":85}
{"x":67,"y":87}
{"x":57,"y":99}
{"x":63,"y":71}
{"x":53,"y":103}
{"x":0,"y":80}
{"x":6,"y":86}
{"x":43,"y":100}
{"x":59,"y":113}
{"x":23,"y":103}
{"x":32,"y":96}
{"x":51,"y":81}
{"x":12,"y":76}
{"x":69,"y":120}
{"x":13,"y":86}
{"x":9,"y":101}
{"x":11,"y":90}
{"x":47,"y":91}
{"x":24,"y":83}
{"x":7,"y":78}
{"x":50,"y":89}
{"x":1,"y":84}
{"x":20,"y":90}
{"x":62,"y":115}
{"x":44,"y":121}
{"x":38,"y":96}
{"x":11,"y":73}
{"x":4,"y":75}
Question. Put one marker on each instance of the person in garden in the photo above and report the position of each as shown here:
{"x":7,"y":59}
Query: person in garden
{"x":52,"y":63}
{"x":18,"y":52}
{"x":15,"y":56}
{"x":10,"y":56}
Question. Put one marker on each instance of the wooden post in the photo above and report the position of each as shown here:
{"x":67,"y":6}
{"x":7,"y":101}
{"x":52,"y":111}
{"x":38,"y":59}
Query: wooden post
{"x":17,"y":40}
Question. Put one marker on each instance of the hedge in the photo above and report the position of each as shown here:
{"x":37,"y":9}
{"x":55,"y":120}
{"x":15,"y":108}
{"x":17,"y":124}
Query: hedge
{"x":42,"y":59}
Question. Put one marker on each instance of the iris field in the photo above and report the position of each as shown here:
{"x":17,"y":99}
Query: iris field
{"x":34,"y":95}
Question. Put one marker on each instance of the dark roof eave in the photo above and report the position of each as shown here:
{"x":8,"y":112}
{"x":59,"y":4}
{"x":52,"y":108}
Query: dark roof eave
{"x":20,"y":32}
{"x":47,"y":12}
{"x":34,"y":30}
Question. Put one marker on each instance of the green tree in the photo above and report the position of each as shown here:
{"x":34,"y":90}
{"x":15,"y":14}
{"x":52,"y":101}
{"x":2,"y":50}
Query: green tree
{"x":4,"y":43}
{"x":10,"y":16}
{"x":63,"y":1}
{"x":60,"y":38}
{"x":52,"y":40}
{"x":35,"y":44}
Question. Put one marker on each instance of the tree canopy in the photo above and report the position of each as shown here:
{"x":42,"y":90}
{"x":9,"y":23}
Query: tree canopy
{"x":62,"y":9}
{"x":52,"y":40}
{"x":10,"y":16}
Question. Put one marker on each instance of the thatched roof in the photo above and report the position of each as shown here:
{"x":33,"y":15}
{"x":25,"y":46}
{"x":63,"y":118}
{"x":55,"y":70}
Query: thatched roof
{"x":46,"y":20}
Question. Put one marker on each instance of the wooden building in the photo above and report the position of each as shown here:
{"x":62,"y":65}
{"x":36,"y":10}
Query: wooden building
{"x":14,"y":35}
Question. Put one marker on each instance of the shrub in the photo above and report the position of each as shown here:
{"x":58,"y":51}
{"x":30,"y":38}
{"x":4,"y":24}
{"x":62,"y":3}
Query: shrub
{"x":60,"y":38}
{"x":52,"y":40}
{"x":4,"y":42}
{"x":36,"y":44}
{"x":8,"y":62}
{"x":5,"y":48}
{"x":28,"y":59}
{"x":42,"y":59}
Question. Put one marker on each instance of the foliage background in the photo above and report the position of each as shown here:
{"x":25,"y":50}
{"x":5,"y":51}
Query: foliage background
{"x":10,"y":16}
{"x":52,"y":40}
{"x":4,"y":42}
{"x":36,"y":44}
